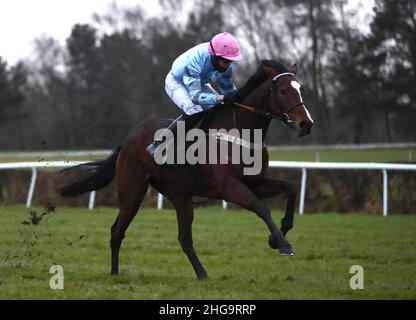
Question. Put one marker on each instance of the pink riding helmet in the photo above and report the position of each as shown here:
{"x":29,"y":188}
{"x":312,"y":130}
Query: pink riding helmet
{"x":226,"y":46}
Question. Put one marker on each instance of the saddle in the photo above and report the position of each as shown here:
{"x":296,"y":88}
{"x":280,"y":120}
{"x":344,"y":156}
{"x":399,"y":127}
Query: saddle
{"x":200,"y":121}
{"x":204,"y":121}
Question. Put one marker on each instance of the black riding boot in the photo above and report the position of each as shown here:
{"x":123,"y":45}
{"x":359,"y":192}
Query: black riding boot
{"x":190,"y":121}
{"x":151,"y":149}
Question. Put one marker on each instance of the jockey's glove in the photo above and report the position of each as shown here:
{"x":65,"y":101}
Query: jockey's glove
{"x":229,"y":98}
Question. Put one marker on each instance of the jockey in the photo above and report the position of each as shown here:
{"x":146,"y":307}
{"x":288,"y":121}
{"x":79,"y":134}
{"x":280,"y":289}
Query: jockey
{"x":188,"y":82}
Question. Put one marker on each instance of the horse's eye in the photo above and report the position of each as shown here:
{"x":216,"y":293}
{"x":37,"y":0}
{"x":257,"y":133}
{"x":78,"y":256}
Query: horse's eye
{"x":282,"y":91}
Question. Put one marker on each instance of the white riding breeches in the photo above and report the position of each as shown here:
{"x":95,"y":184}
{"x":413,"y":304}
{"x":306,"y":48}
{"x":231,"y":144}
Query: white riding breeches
{"x":180,"y":96}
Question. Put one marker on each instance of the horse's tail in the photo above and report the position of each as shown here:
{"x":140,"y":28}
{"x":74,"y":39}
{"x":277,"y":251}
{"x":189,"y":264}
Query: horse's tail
{"x":99,"y":174}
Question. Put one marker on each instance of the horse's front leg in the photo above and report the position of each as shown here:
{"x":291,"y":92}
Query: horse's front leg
{"x":235,"y":191}
{"x":265,"y":187}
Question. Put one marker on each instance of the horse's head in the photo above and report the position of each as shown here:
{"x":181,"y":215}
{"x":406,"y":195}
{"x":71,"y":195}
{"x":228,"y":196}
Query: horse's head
{"x":286,"y":102}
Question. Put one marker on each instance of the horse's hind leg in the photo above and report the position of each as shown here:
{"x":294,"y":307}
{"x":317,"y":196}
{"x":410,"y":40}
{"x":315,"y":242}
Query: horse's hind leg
{"x":132,"y":188}
{"x":185,"y":216}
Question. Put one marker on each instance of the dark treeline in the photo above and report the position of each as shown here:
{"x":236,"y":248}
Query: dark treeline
{"x":110,"y":74}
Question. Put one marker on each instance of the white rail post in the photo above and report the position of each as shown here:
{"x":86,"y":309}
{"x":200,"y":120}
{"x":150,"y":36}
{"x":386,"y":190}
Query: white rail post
{"x":92,"y":200}
{"x":410,"y":157}
{"x":385,"y":193}
{"x":159,"y":201}
{"x":302,"y":191}
{"x":224,"y":204}
{"x":31,"y":187}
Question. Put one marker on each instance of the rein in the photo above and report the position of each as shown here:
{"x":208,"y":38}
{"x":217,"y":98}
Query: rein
{"x":284,"y":117}
{"x":261,"y":112}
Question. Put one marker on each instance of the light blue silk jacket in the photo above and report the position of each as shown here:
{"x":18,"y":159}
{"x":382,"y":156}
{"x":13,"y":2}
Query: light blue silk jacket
{"x":194,"y":68}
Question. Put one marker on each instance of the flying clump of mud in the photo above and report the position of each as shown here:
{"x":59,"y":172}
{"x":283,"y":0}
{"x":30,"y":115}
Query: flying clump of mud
{"x":35,"y":217}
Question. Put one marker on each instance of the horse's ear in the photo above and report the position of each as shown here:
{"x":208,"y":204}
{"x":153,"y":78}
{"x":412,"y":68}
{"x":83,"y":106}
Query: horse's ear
{"x":294,"y":68}
{"x":269,"y":71}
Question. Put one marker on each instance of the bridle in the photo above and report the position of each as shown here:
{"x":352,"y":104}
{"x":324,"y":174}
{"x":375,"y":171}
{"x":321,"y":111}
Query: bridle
{"x":282,"y":116}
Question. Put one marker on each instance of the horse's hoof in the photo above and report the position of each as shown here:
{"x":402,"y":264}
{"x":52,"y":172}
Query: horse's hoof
{"x":277,"y":240}
{"x":286,"y":250}
{"x":202,"y":276}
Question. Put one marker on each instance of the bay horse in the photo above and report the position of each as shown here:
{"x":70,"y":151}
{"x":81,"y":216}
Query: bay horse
{"x":273,"y":91}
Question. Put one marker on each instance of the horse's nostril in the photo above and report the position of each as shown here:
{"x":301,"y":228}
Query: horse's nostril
{"x":305,"y":126}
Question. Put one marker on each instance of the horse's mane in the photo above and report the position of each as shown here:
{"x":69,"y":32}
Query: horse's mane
{"x":258,"y":78}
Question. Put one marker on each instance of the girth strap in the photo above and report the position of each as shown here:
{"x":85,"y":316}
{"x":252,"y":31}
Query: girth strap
{"x":237,"y":140}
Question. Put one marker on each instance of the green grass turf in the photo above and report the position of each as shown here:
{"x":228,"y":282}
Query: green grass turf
{"x":232,"y":245}
{"x":375,"y":155}
{"x":380,"y":155}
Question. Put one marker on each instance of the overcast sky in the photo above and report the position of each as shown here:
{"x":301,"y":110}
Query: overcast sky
{"x":23,"y":20}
